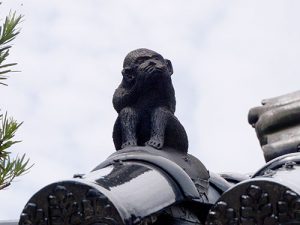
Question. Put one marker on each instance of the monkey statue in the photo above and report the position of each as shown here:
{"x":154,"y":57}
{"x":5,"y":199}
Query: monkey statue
{"x":145,"y":102}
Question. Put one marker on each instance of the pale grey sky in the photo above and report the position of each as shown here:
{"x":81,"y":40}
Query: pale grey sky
{"x":227,"y":56}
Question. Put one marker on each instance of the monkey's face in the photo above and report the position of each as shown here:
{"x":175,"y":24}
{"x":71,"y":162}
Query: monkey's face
{"x":151,"y":66}
{"x":148,"y":64}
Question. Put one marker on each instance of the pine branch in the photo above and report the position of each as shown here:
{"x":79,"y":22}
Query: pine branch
{"x":10,"y":168}
{"x":8,"y":129}
{"x":8,"y":32}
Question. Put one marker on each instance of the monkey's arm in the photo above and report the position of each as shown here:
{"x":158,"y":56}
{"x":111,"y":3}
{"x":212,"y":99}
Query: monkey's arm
{"x":123,"y":97}
{"x":127,"y":95}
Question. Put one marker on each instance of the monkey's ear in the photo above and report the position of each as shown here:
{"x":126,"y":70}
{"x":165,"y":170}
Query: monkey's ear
{"x":128,"y":74}
{"x":169,"y":66}
{"x":123,"y":72}
{"x":126,"y":71}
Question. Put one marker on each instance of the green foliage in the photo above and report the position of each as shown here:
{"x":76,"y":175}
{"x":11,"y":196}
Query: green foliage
{"x":8,"y":129}
{"x":8,"y":32}
{"x":10,"y":168}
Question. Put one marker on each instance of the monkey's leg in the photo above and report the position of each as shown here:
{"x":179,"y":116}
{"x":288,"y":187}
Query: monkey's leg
{"x":128,"y":119}
{"x":159,"y":120}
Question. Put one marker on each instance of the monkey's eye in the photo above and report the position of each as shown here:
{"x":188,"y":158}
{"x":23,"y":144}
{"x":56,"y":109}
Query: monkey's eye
{"x":157,"y":57}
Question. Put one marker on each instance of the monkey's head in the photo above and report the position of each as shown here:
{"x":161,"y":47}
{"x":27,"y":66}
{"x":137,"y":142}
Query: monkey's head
{"x":146,"y":62}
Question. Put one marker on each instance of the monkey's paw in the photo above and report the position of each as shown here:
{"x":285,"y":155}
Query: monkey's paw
{"x":158,"y":144}
{"x":129,"y":143}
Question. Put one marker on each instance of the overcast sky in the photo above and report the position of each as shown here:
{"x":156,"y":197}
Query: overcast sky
{"x":227,"y":57}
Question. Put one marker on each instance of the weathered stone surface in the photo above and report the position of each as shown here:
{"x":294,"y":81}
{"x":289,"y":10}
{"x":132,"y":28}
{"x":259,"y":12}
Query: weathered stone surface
{"x":277,"y":125}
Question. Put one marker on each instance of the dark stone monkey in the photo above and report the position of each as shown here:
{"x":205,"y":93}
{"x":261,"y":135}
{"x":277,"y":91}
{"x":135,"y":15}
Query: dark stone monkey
{"x":145,"y":102}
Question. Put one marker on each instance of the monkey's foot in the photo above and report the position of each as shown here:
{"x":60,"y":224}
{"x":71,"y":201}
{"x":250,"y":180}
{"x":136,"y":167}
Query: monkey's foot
{"x":155,"y":143}
{"x":129,"y":143}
